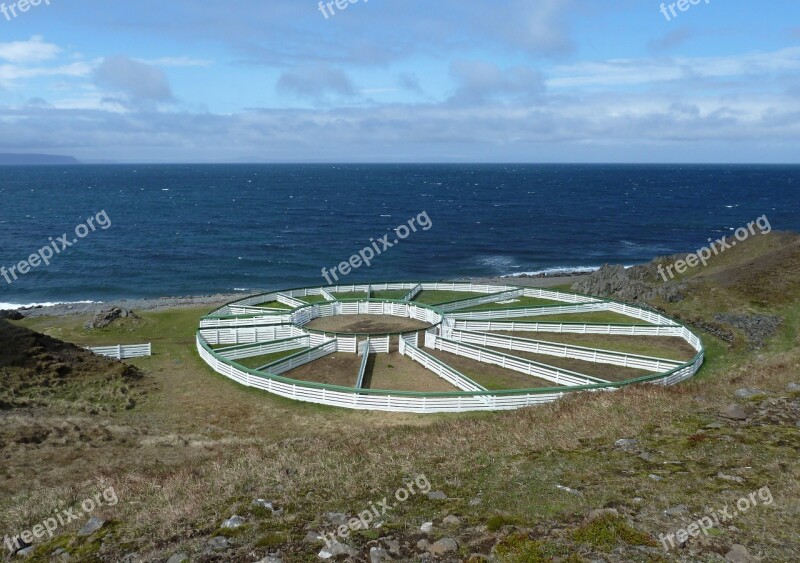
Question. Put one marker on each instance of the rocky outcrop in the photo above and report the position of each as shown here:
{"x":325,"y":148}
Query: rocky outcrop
{"x":11,"y":315}
{"x":105,"y":317}
{"x":638,"y":283}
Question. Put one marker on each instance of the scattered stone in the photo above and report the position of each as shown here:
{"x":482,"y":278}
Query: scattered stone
{"x":655,"y":477}
{"x":793,"y":387}
{"x":734,"y":412}
{"x":219,"y":543}
{"x":748,"y":393}
{"x":426,"y":528}
{"x":378,"y":555}
{"x":335,"y":518}
{"x":568,"y":490}
{"x":452,"y":520}
{"x":91,"y":526}
{"x":178,"y":558}
{"x":437,"y":495}
{"x":677,"y":510}
{"x":714,"y":426}
{"x":233,"y":522}
{"x":393,"y":546}
{"x":271,"y":559}
{"x":443,"y":546}
{"x":771,"y":402}
{"x":25,"y":551}
{"x":732,"y":478}
{"x":475,"y":501}
{"x":599,"y":513}
{"x":739,"y":554}
{"x":757,"y":328}
{"x":336,"y":549}
{"x":626,"y":443}
{"x":312,"y":537}
{"x":261,"y":503}
{"x":423,"y":545}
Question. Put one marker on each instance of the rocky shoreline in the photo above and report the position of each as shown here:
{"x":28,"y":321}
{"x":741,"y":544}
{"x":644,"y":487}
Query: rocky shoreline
{"x":219,"y":299}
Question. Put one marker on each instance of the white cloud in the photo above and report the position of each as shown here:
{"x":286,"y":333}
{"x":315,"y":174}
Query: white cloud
{"x":34,"y":50}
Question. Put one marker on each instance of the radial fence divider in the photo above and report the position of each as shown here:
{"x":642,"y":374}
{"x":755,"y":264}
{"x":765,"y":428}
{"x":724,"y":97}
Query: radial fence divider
{"x":446,"y":372}
{"x":326,"y":294}
{"x":584,"y":353}
{"x":301,"y":358}
{"x":363,"y":368}
{"x":262,"y":349}
{"x":413,"y":293}
{"x":290,"y":301}
{"x":536,"y":310}
{"x":475,"y":301}
{"x":614,"y":329}
{"x":541,"y":370}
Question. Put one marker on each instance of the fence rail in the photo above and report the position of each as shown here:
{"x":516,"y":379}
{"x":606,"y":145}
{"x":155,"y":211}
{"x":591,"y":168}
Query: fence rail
{"x":594,"y":355}
{"x":123,"y":351}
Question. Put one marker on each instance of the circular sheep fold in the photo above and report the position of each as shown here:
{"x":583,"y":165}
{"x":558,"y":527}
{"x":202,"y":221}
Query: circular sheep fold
{"x":481,"y":346}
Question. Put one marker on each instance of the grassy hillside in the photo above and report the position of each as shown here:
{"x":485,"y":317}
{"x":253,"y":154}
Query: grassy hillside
{"x":600,"y":476}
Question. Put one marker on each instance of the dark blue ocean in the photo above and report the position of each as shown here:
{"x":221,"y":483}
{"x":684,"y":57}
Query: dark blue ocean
{"x":199,"y":229}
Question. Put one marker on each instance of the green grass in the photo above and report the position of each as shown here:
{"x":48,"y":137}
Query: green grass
{"x":313,"y":299}
{"x":274,"y":305}
{"x":431,"y":297}
{"x":518,"y":302}
{"x":350,"y":295}
{"x":390,"y":294}
{"x":593,"y":317}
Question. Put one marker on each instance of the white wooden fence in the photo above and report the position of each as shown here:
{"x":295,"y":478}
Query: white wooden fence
{"x":253,"y":332}
{"x":553,"y":374}
{"x":449,"y":374}
{"x":571,"y":328}
{"x":594,"y":355}
{"x":123,"y":351}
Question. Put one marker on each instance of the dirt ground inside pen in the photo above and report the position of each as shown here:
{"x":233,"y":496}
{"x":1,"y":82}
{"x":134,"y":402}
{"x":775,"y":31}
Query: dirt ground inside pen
{"x":334,"y":369}
{"x":366,"y":324}
{"x":396,"y":372}
{"x":667,"y":347}
{"x":490,"y":376}
{"x":603,"y":371}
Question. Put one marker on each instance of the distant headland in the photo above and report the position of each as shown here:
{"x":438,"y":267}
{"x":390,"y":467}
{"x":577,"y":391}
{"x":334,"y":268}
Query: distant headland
{"x":11,"y":159}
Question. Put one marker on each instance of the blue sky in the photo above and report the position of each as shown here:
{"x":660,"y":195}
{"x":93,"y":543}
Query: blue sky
{"x":402,"y":81}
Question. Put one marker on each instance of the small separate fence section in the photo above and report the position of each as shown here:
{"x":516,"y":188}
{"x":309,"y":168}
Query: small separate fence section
{"x":244,"y":329}
{"x":123,"y":351}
